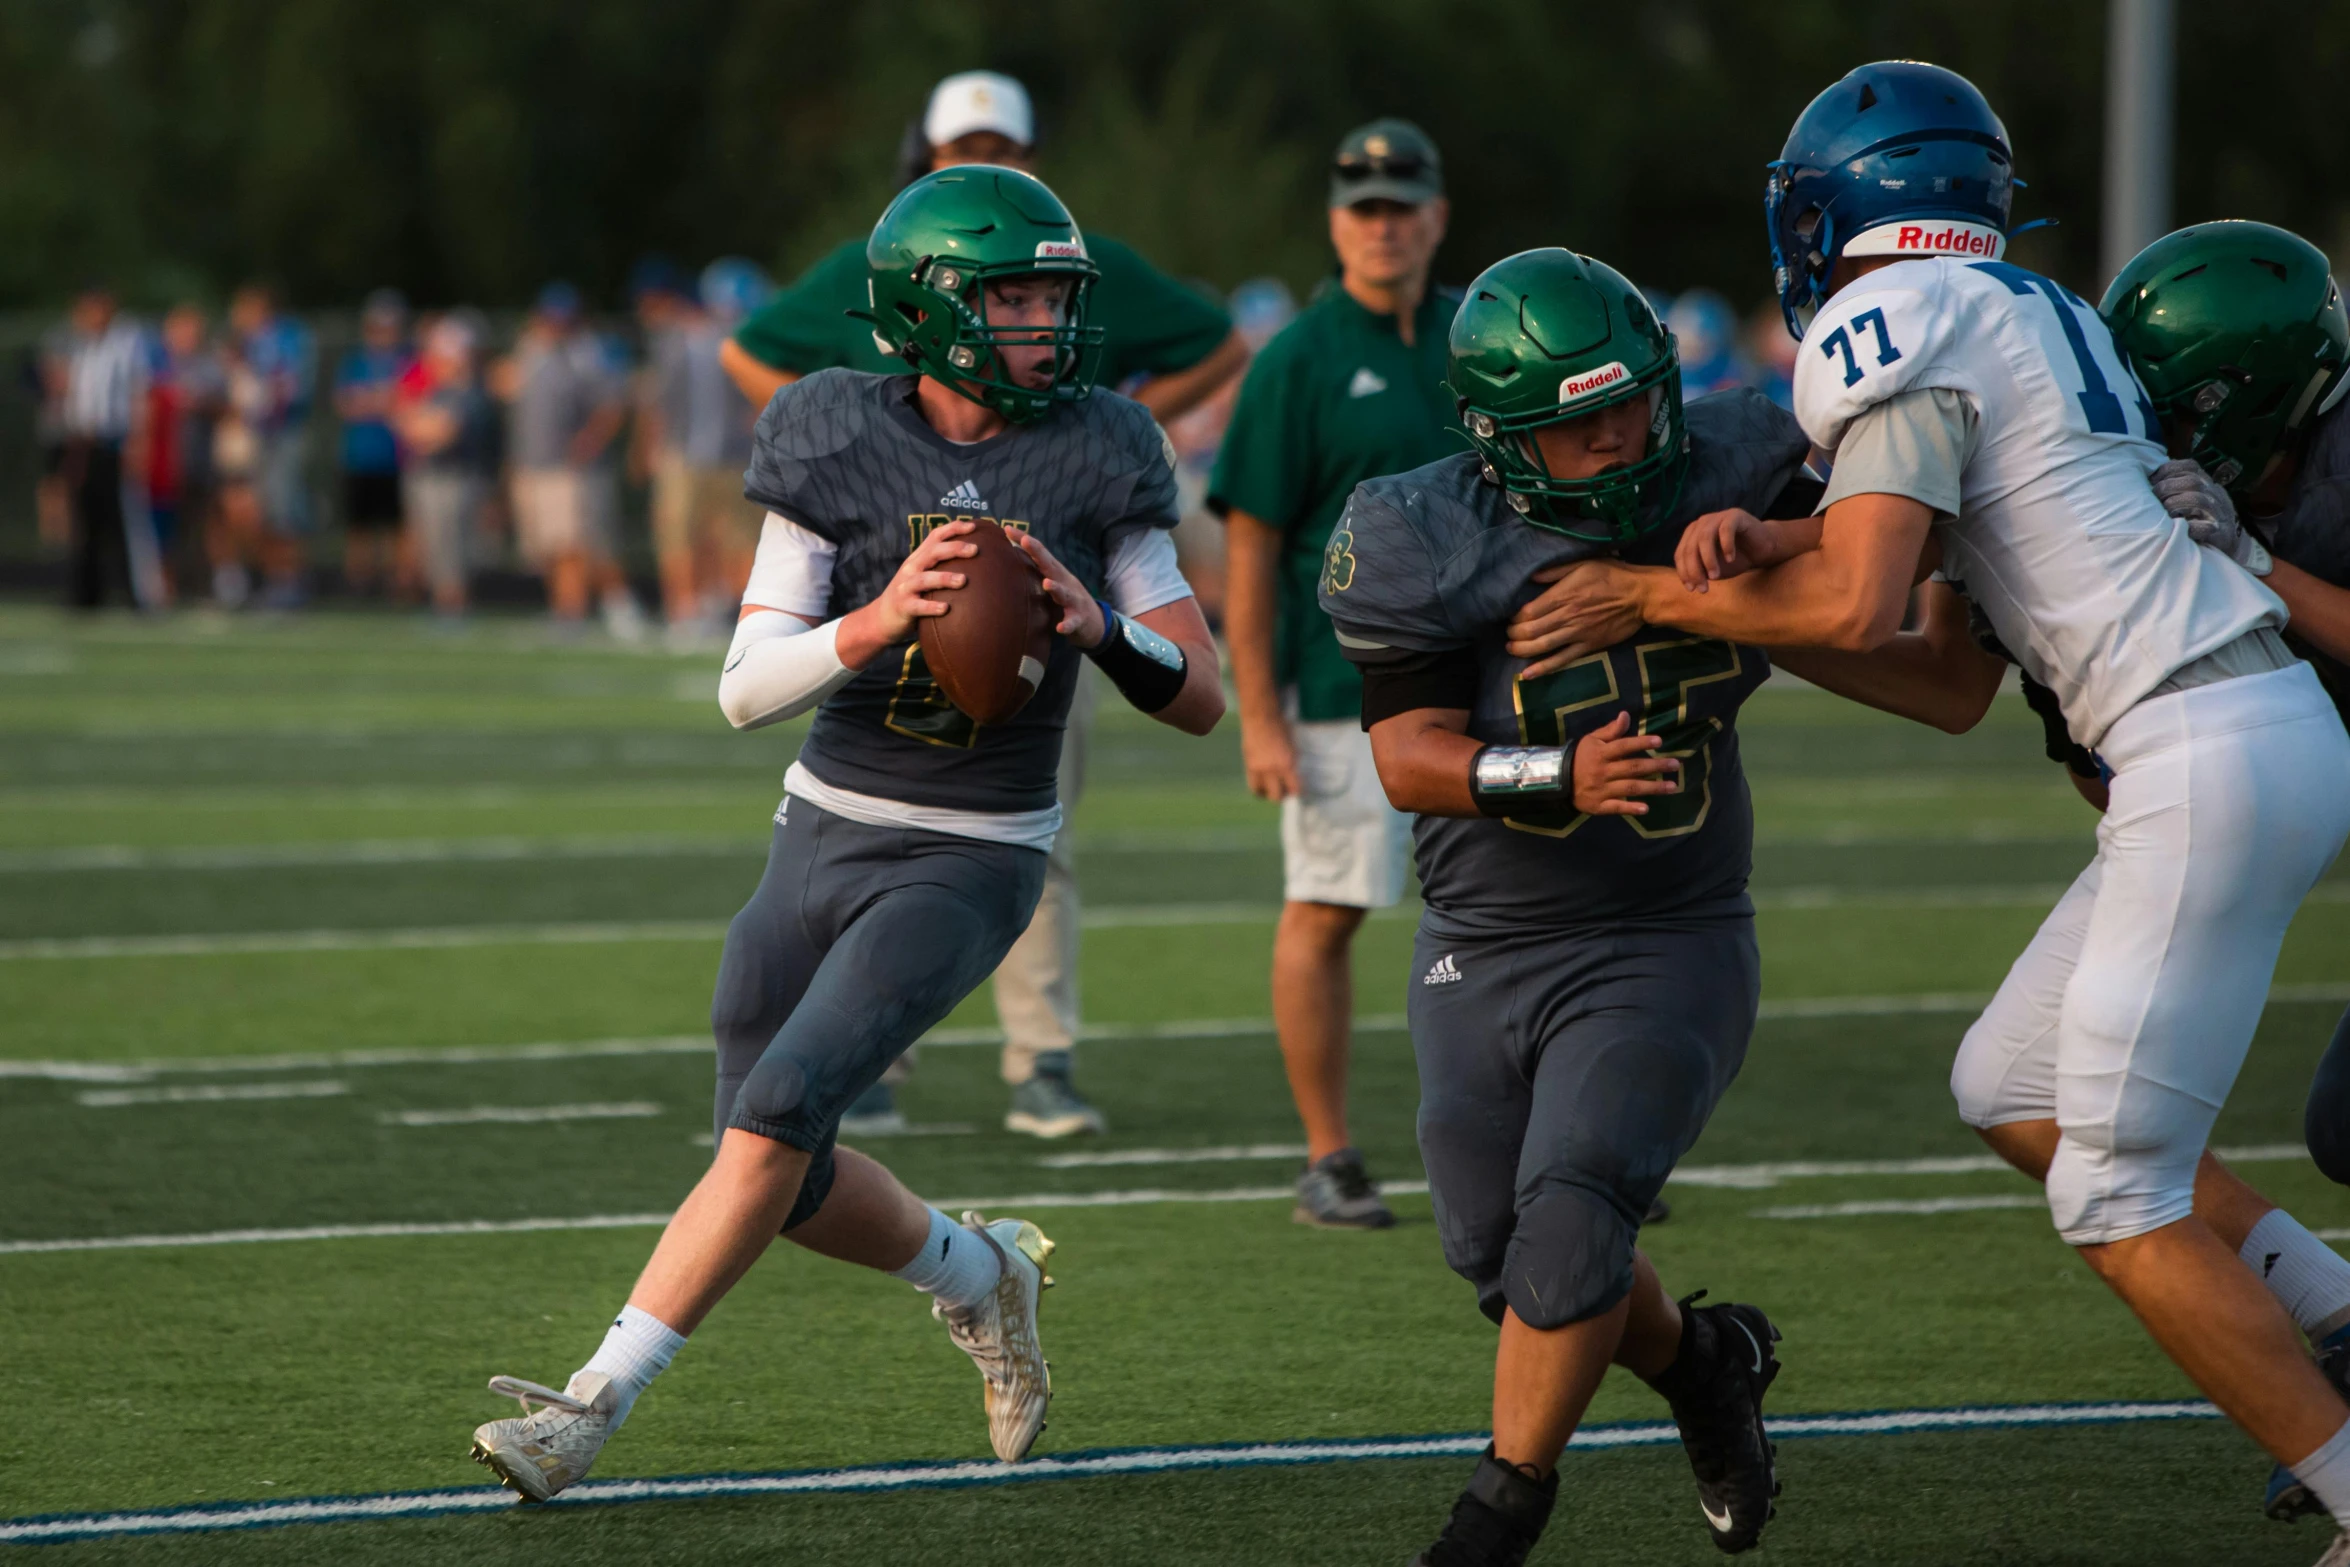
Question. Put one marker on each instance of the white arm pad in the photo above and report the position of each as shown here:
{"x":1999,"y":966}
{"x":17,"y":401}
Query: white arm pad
{"x":792,"y":570}
{"x":778,"y":668}
{"x":1142,"y":573}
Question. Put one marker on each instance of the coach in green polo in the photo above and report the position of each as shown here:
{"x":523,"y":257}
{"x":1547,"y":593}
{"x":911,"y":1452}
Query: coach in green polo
{"x":1352,"y":389}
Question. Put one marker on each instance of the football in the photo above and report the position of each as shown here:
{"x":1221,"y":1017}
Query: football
{"x":988,"y":651}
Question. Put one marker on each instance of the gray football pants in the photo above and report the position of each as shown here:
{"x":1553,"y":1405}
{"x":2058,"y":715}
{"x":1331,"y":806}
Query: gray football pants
{"x":1561,"y":1079}
{"x":858,"y":940}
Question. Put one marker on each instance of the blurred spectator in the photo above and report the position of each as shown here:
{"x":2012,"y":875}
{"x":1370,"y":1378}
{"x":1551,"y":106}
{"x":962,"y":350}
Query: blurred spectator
{"x":183,"y":394}
{"x":569,"y":402}
{"x":52,"y":506}
{"x":694,"y":427}
{"x":104,"y":420}
{"x":1771,"y":353}
{"x":448,"y":432}
{"x":1260,"y":308}
{"x":1705,"y":329}
{"x":236,"y":537}
{"x":280,"y":351}
{"x":364,"y":387}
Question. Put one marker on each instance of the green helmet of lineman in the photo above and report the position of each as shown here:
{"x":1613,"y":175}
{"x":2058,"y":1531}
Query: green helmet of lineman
{"x":943,"y":239}
{"x":2237,"y":330}
{"x":1547,"y":335}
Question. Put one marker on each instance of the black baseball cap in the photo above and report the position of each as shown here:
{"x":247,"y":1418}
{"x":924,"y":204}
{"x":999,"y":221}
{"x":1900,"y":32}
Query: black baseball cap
{"x":1386,"y":160}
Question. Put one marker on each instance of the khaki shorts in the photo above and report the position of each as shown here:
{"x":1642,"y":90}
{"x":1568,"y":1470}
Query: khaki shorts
{"x":697,"y":508}
{"x":561,"y":511}
{"x":1341,"y":842}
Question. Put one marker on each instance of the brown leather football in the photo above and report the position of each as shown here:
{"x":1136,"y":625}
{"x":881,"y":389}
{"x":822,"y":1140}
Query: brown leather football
{"x":988,"y":651}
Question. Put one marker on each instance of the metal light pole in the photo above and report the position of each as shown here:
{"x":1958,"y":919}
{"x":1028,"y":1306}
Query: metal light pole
{"x":2140,"y":72}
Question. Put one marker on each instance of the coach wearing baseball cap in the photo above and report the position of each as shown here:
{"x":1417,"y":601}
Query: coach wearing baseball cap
{"x":1352,"y":389}
{"x":1179,"y":342}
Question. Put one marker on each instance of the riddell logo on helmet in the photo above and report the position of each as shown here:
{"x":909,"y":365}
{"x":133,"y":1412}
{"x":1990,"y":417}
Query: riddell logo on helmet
{"x":1059,"y":250}
{"x":1929,"y":239}
{"x":1599,"y":380}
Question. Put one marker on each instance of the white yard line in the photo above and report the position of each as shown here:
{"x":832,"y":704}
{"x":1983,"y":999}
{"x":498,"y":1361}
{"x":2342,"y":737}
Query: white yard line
{"x":1147,"y":1197}
{"x":207,"y":1093}
{"x":435,"y":851}
{"x":368,"y":851}
{"x":1851,"y":1210}
{"x":1102,"y":917}
{"x":520,"y":1115}
{"x":1794,"y":1008}
{"x":1124,"y":1156}
{"x":212,"y":1517}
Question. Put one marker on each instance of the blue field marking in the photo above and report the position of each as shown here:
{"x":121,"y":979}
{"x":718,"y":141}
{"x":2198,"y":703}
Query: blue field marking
{"x":214,"y":1516}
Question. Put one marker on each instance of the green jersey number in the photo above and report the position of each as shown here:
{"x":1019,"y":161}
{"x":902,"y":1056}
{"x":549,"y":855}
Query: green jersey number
{"x":919,"y":710}
{"x":1669,"y":672}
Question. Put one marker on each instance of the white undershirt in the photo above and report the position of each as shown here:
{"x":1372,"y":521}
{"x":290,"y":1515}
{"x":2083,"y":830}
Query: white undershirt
{"x":774,"y":673}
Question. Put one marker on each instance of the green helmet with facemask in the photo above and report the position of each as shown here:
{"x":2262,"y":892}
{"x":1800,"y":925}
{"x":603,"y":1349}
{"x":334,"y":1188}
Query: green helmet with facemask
{"x":932,"y":255}
{"x":1545,"y":336}
{"x":2236,"y":329}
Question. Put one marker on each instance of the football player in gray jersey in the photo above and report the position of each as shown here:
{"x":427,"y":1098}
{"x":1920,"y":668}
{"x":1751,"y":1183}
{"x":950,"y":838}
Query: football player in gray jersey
{"x":1586,"y":974}
{"x":911,"y":848}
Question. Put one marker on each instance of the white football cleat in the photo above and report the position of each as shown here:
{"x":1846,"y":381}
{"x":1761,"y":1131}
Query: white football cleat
{"x":541,"y":1451}
{"x":999,"y":1334}
{"x":2337,"y":1554}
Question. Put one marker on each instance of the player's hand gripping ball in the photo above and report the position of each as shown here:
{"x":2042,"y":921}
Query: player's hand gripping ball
{"x":988,"y":651}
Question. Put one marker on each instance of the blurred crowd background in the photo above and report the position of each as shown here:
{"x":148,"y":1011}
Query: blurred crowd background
{"x":382,"y":288}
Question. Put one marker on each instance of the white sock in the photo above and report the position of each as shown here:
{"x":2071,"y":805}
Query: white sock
{"x":953,"y":1264}
{"x":2327,"y":1474}
{"x":2309,"y":1278}
{"x":638,"y":1349}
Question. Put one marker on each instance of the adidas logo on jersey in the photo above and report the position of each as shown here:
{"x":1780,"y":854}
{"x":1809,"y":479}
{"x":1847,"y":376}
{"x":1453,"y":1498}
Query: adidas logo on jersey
{"x":1443,"y":973}
{"x":1367,"y":383}
{"x":963,"y":497}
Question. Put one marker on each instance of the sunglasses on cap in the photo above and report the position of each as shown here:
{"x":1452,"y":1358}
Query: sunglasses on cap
{"x":1395,"y":166}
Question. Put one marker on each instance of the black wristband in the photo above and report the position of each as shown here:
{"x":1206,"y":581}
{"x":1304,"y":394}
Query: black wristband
{"x":1508,"y":780}
{"x":1148,"y":670}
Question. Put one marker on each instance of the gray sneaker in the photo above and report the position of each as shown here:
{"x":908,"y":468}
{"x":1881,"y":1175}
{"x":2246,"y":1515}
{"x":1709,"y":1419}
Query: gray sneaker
{"x":874,"y":1114}
{"x":1336,"y":1193}
{"x":1049,"y":1105}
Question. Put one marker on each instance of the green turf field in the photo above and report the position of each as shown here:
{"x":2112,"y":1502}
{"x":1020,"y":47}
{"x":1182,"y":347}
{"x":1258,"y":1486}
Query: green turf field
{"x":289,"y":913}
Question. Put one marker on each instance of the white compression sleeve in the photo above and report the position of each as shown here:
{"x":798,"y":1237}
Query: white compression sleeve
{"x":778,"y":668}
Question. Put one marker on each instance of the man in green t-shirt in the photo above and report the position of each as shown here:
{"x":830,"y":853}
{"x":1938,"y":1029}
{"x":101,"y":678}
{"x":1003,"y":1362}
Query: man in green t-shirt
{"x":1182,"y":345}
{"x":1179,"y":342}
{"x":1352,"y":389}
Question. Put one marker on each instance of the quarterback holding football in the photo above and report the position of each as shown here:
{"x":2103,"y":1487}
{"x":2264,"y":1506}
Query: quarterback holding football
{"x":993,"y":486}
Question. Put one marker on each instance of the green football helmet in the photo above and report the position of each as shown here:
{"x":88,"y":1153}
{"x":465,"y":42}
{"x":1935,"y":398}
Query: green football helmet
{"x":2238,"y":329}
{"x":943,"y":239}
{"x":1547,"y":335}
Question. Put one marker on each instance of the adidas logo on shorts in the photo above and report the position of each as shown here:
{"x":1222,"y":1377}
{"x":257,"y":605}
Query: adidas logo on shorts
{"x":963,"y":497}
{"x":1443,"y":973}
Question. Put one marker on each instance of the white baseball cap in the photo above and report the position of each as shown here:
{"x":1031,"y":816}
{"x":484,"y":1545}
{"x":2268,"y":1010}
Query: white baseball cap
{"x":973,"y":101}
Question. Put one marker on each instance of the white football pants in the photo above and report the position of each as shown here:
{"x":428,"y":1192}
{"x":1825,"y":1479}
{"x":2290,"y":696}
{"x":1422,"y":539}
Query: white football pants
{"x":2128,"y":1016}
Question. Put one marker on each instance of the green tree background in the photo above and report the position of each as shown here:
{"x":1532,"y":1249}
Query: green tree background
{"x":471,"y":149}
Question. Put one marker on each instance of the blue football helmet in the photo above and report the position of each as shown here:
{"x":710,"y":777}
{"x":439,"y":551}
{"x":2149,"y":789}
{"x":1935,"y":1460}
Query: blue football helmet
{"x":1898,"y":158}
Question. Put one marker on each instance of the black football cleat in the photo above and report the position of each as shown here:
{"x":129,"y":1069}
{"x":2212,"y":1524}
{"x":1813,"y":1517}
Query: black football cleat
{"x":1496,"y":1521}
{"x":1715,"y":1386}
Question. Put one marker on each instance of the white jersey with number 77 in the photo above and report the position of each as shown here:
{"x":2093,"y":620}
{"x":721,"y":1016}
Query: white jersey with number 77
{"x":2097,"y":591}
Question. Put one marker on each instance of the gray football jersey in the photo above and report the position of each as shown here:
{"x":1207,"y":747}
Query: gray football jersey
{"x":1434,"y":560}
{"x":2313,"y":532}
{"x":845,"y":455}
